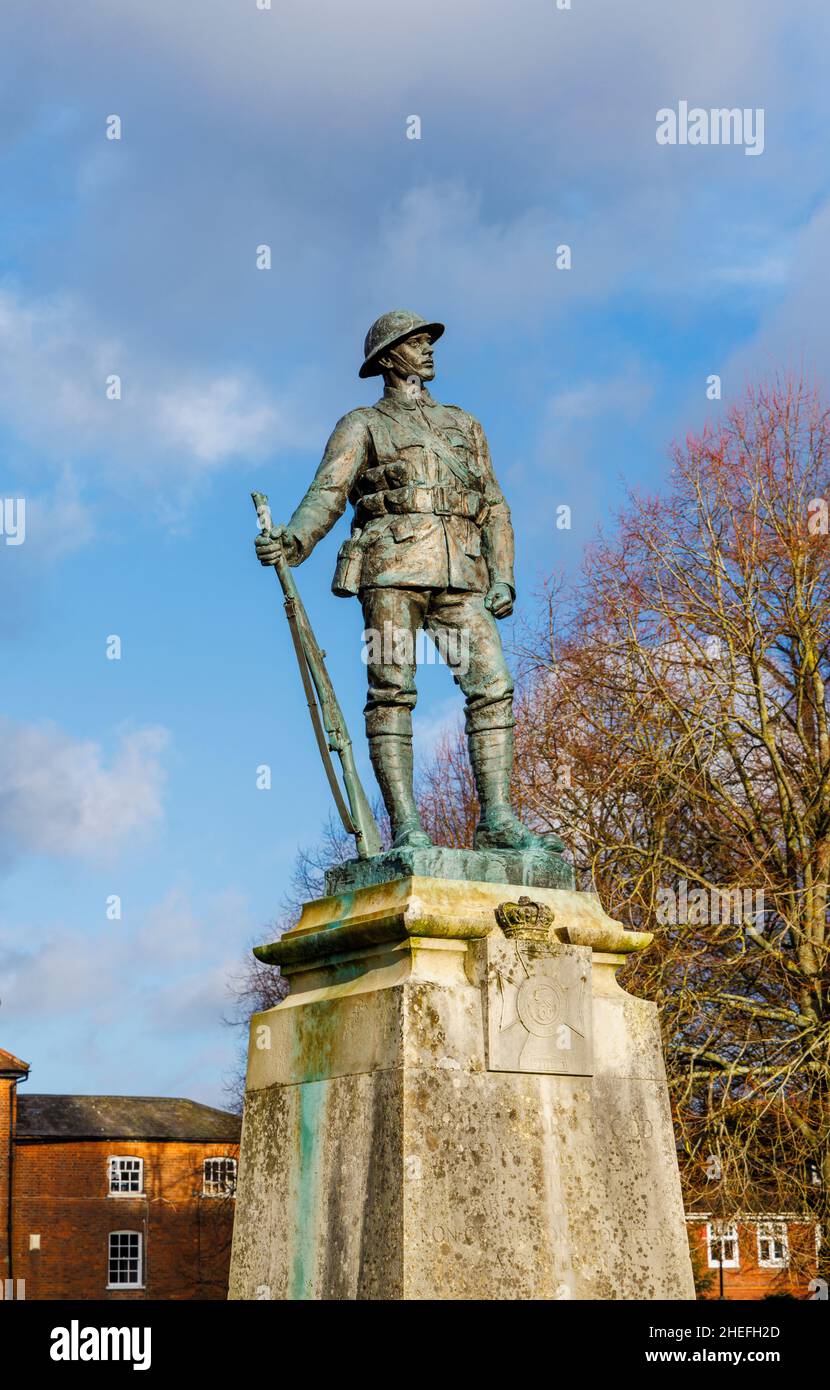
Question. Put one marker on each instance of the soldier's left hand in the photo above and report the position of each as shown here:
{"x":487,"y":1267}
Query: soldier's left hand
{"x":500,"y":600}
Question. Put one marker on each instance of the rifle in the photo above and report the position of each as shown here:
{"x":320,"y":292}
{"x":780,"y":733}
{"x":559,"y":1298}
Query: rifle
{"x":326,"y":715}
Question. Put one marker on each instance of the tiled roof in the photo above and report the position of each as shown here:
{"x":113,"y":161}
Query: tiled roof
{"x":122,"y":1117}
{"x":11,"y":1065}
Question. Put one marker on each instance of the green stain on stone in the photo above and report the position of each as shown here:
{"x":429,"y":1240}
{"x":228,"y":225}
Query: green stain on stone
{"x":312,"y":1105}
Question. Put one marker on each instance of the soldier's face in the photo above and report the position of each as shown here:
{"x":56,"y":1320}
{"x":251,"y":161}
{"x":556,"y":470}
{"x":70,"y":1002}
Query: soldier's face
{"x":416,"y":353}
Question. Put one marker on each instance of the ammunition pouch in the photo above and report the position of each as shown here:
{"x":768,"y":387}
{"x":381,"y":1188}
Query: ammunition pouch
{"x":448,"y":499}
{"x":346,"y":581}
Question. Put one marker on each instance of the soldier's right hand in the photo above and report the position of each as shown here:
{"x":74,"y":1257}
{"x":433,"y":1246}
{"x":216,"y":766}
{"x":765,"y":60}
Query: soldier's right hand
{"x":278,"y":541}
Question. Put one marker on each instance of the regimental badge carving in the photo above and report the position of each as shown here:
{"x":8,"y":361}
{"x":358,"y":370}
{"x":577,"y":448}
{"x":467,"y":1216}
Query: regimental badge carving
{"x":539,"y":1007}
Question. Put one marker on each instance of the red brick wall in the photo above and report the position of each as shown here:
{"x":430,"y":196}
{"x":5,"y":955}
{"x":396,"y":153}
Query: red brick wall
{"x":7,"y":1095}
{"x":750,"y":1281}
{"x":61,"y":1194}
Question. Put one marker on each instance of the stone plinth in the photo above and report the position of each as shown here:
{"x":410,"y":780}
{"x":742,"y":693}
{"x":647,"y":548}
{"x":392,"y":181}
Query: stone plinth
{"x":448,"y":1108}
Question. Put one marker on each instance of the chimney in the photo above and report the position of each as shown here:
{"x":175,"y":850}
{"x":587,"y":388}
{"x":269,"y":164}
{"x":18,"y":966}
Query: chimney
{"x":12,"y":1070}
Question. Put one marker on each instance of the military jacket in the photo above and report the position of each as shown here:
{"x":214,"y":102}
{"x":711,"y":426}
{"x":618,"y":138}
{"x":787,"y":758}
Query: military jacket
{"x":428,"y":512}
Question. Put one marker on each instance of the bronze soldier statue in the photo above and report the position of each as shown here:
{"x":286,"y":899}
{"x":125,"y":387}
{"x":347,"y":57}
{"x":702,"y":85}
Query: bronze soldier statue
{"x":431,"y":547}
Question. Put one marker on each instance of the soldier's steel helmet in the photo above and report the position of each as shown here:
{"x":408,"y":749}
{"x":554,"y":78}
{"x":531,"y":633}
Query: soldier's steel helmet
{"x":390,"y":329}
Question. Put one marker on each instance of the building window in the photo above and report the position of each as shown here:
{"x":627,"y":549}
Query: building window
{"x":126,"y":1176}
{"x":125,"y":1264}
{"x":219,"y":1177}
{"x":722,"y":1245}
{"x":773,"y":1247}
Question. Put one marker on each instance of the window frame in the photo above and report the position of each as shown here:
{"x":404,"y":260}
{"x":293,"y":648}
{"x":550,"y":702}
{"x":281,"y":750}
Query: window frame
{"x":729,"y":1232}
{"x":125,"y":1158}
{"x":766,"y":1230}
{"x":139,"y":1284}
{"x":227,"y":1191}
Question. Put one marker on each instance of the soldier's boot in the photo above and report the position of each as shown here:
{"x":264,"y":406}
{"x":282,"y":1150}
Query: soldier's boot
{"x":491,"y":756}
{"x":391,"y":757}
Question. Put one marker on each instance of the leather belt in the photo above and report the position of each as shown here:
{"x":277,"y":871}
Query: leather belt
{"x":414,"y":499}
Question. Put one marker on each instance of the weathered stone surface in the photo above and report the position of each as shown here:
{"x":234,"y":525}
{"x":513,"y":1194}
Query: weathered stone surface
{"x":424,"y":907}
{"x":388,"y":1151}
{"x":532,"y":867}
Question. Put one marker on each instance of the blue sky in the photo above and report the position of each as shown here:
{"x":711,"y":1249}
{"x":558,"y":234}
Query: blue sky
{"x":287,"y":127}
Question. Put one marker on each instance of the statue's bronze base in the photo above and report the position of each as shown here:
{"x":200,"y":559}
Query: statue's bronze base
{"x":533,"y":868}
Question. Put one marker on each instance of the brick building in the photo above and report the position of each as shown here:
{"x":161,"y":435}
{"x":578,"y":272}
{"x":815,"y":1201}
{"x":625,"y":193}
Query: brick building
{"x":113,"y":1197}
{"x":760,"y":1256}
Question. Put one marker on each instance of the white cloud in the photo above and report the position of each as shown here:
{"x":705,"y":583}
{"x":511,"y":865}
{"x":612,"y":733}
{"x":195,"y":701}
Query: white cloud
{"x":61,"y":796}
{"x":627,"y":394}
{"x":174,"y":950}
{"x":174,"y":933}
{"x":55,"y":362}
{"x":793,"y":333}
{"x":65,"y":972}
{"x":173,"y":963}
{"x":762,"y":271}
{"x":569,"y":461}
{"x":58,"y":522}
{"x":501,"y":61}
{"x":218,"y":421}
{"x":437,"y":244}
